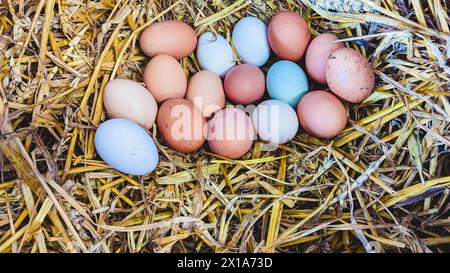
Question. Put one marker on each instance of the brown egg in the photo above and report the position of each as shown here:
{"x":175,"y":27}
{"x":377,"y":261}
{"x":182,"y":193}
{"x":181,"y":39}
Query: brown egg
{"x":230,"y":133}
{"x":245,"y":84}
{"x":321,"y":114}
{"x":130,"y":100}
{"x":319,"y":50}
{"x":289,"y":35}
{"x":165,"y":78}
{"x":350,"y":75}
{"x":205,"y":91}
{"x":181,"y":125}
{"x":174,"y":38}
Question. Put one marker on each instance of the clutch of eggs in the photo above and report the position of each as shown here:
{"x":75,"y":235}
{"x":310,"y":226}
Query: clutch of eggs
{"x":192,"y":111}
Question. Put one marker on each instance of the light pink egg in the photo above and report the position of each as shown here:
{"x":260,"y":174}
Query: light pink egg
{"x":245,"y":84}
{"x":230,"y":133}
{"x":317,"y":56}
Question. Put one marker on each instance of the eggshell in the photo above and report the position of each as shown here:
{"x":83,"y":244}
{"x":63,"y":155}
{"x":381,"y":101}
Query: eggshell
{"x":275,"y":121}
{"x":205,"y":91}
{"x":165,"y":78}
{"x":181,"y":125}
{"x":173,"y":38}
{"x":289,"y":35}
{"x":350,"y":75}
{"x":317,"y":55}
{"x":244,"y":84}
{"x":230,"y":133}
{"x":130,"y":100}
{"x":214,"y":53}
{"x":286,"y":81}
{"x":321,"y":114}
{"x":126,"y":146}
{"x":250,"y":41}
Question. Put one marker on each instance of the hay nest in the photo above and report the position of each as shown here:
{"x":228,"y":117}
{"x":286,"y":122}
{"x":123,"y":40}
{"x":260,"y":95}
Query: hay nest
{"x":380,"y":186}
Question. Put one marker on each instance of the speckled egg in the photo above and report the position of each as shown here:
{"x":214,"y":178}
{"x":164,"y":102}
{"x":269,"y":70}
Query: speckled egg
{"x":350,"y":75}
{"x":181,"y":125}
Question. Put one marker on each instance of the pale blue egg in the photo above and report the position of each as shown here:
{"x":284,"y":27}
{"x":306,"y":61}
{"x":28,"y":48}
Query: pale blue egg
{"x":250,"y":41}
{"x":275,"y":121}
{"x":214,"y":53}
{"x":286,"y":81}
{"x":126,"y":146}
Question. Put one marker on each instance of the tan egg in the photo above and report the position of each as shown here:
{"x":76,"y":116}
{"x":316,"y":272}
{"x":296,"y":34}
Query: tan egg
{"x":165,"y":78}
{"x":181,"y":125}
{"x":317,"y":55}
{"x":230,"y":133}
{"x":289,"y":35}
{"x":130,"y":100}
{"x":321,"y":114}
{"x":205,"y":91}
{"x":174,"y":38}
{"x":350,"y":75}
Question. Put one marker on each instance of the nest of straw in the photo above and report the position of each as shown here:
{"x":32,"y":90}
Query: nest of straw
{"x":380,"y":186}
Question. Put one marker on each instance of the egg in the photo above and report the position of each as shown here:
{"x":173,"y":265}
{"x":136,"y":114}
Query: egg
{"x":350,"y":75}
{"x":250,"y":41}
{"x":205,"y":91}
{"x":173,"y":38}
{"x":165,"y":78}
{"x":275,"y":121}
{"x":289,"y":35}
{"x":321,"y":114}
{"x":130,"y":100}
{"x":244,"y":84}
{"x":181,"y":125}
{"x":286,"y":81}
{"x":230,"y":133}
{"x":317,"y":55}
{"x":214,"y":53}
{"x":126,"y":147}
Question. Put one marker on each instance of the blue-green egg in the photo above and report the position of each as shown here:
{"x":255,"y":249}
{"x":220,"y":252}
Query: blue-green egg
{"x":286,"y":81}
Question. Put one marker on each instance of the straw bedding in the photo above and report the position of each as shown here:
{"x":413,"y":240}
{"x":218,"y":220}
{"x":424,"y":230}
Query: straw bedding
{"x":380,"y":186}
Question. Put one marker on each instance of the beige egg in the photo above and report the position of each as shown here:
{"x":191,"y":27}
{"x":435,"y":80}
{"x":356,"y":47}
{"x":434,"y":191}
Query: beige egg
{"x":165,"y":78}
{"x":130,"y":100}
{"x":350,"y":75}
{"x":174,"y":38}
{"x":181,"y":125}
{"x":206,"y":92}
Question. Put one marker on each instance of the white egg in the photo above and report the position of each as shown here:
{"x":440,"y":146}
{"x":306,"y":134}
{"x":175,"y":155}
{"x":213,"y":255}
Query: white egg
{"x":275,"y":121}
{"x":214,"y":53}
{"x":251,"y":42}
